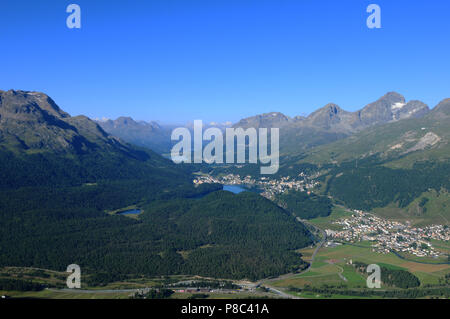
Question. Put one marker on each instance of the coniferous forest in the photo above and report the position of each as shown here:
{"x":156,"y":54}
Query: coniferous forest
{"x":182,"y":230}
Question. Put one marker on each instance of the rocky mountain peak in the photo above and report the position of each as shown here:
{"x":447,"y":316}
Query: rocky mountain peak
{"x":29,"y":102}
{"x":412,"y":109}
{"x":381,"y":111}
{"x":327,"y":116}
{"x":330,"y":109}
{"x":272,"y":119}
{"x":125,"y":120}
{"x":392,"y":97}
{"x":33,"y":121}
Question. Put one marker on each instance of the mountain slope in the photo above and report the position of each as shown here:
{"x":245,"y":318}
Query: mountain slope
{"x":42,"y":145}
{"x":402,"y":142}
{"x":390,"y":168}
{"x":32,"y":122}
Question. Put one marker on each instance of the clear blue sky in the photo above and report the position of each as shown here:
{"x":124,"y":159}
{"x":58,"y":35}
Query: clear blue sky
{"x":180,"y":60}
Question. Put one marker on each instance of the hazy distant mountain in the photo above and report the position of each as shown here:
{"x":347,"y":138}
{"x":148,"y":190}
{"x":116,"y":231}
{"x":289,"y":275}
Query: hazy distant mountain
{"x":152,"y":135}
{"x":128,"y":121}
{"x":146,"y":134}
{"x":266,"y":120}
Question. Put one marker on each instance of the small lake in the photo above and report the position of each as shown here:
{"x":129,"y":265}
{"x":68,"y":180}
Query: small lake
{"x":236,"y":189}
{"x":130,"y":212}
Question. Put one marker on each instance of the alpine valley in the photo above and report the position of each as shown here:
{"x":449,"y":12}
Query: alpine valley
{"x":353,"y":189}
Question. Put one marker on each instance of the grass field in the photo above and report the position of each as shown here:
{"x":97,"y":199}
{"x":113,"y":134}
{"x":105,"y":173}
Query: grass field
{"x":51,"y":294}
{"x":311,"y":295}
{"x":330,"y":262}
{"x":59,"y":294}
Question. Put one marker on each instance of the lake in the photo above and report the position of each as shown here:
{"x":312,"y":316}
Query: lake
{"x":130,"y":212}
{"x":236,"y":189}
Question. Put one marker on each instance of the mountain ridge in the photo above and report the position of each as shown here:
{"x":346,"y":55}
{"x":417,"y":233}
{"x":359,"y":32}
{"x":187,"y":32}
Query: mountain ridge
{"x":390,"y":107}
{"x":36,"y":123}
{"x":394,"y":140}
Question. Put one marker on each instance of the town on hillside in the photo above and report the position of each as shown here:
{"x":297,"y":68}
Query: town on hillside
{"x":388,"y":235}
{"x":270,"y":187}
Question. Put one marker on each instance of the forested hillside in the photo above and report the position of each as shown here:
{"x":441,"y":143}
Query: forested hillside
{"x":221,"y":235}
{"x":376,"y":186}
{"x":305,"y":206}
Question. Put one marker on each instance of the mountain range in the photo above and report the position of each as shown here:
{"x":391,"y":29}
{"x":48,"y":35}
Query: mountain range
{"x":414,"y":139}
{"x":331,"y":122}
{"x":141,"y":133}
{"x":389,"y":108}
{"x":152,"y":135}
{"x":299,"y":133}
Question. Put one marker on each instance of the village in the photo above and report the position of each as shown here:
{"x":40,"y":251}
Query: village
{"x":269,"y":187}
{"x":388,"y":236}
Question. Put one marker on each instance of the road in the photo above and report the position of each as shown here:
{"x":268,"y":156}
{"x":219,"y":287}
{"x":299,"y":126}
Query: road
{"x":94,"y":291}
{"x":266,"y":282}
{"x":282,"y":294}
{"x":319,"y":245}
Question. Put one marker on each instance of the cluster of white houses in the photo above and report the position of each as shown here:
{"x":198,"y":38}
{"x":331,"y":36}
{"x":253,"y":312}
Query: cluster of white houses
{"x":389,"y":235}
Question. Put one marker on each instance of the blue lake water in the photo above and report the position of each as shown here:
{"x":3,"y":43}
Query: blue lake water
{"x":236,"y":189}
{"x":131,"y":212}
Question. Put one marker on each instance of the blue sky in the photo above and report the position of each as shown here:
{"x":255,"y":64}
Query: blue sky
{"x":180,"y":60}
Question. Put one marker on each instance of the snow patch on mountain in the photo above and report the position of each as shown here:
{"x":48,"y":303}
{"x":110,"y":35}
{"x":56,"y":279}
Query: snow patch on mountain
{"x":397,"y":105}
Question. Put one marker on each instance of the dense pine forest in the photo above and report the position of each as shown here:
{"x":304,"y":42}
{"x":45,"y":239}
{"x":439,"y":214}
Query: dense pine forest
{"x":305,"y":206}
{"x":378,"y":186}
{"x":219,"y":235}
